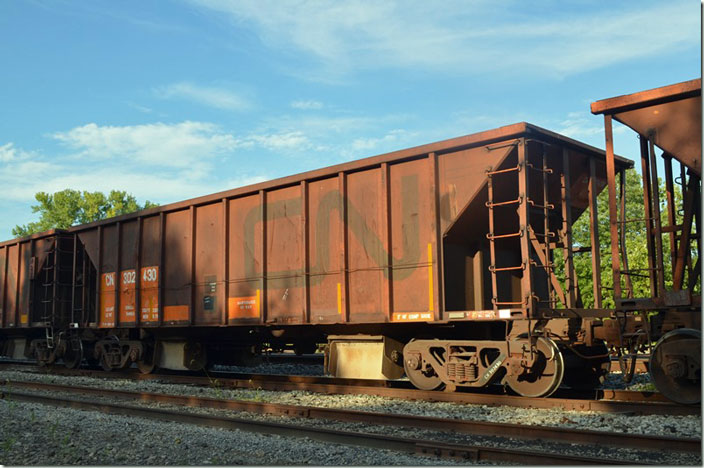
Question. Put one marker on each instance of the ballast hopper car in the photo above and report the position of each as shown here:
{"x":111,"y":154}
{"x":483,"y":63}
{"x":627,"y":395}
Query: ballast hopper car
{"x":434,"y":262}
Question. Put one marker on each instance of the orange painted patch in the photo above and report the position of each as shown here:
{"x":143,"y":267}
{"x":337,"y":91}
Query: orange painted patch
{"x":107,"y":300}
{"x":243,"y":307}
{"x":412,"y":316}
{"x":177,"y":313}
{"x":149,"y":294}
{"x":127,"y":296}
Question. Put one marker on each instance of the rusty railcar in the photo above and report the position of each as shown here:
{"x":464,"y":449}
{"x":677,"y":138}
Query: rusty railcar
{"x":434,"y":261}
{"x":668,"y":118}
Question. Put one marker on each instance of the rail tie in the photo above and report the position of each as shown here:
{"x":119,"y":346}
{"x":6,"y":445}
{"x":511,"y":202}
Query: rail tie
{"x":484,"y":428}
{"x":468,"y":453}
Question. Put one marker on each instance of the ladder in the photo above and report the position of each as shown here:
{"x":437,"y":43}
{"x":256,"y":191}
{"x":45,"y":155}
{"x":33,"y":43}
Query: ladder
{"x":538,"y":241}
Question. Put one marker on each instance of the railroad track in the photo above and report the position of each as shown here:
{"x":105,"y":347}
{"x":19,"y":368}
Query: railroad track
{"x":13,"y":390}
{"x":614,"y":401}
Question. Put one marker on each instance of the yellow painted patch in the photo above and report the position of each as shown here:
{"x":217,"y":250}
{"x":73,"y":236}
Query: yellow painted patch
{"x":430,"y":277}
{"x":339,"y":298}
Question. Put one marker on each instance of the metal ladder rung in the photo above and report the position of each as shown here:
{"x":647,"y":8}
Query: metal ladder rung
{"x":549,"y":206}
{"x":503,"y":171}
{"x":627,"y":273}
{"x":491,"y":236}
{"x":634,"y":220}
{"x":546,"y":171}
{"x":491,"y":204}
{"x":495,"y":302}
{"x":549,"y":266}
{"x":543,"y":235}
{"x":519,"y":267}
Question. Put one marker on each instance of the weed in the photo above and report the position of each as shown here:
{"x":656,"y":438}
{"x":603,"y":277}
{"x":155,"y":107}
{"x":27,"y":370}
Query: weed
{"x":7,"y":444}
{"x":215,"y":384}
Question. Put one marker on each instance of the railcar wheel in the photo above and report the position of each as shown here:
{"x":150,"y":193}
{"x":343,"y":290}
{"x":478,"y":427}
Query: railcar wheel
{"x":544,"y":376}
{"x":420,"y":373}
{"x":104,"y":363}
{"x":73,"y":354}
{"x":675,"y":366}
{"x":425,"y":379}
{"x":148,"y":363}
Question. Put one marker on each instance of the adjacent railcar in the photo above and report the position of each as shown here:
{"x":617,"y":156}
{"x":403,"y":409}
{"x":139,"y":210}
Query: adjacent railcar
{"x":435,"y":262}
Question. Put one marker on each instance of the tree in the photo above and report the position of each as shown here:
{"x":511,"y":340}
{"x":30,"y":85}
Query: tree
{"x":636,"y":244}
{"x":67,"y":208}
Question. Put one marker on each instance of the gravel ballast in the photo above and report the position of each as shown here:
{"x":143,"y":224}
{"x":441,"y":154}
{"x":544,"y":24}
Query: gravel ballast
{"x":678,"y":426}
{"x":34,"y":434}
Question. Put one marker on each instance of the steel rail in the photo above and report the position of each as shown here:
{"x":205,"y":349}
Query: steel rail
{"x":417,"y":446}
{"x":484,"y":428}
{"x":612,"y":401}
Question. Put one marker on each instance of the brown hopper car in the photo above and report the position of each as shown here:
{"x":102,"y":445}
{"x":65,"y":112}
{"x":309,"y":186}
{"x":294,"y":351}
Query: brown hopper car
{"x":436,"y":261}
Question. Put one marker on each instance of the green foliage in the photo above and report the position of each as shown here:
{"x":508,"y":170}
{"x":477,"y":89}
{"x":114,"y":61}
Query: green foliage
{"x":636,"y":244}
{"x":69,"y":207}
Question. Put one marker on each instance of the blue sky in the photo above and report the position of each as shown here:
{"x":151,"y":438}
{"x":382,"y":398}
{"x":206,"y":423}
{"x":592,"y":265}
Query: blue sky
{"x":174,"y":99}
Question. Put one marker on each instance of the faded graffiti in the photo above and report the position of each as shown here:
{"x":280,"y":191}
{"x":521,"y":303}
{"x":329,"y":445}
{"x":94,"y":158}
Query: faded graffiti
{"x":330,"y":205}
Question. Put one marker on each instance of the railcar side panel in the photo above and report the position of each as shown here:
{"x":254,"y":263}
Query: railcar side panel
{"x":149,"y":271}
{"x":24,"y":282}
{"x":11,"y":293}
{"x":107,"y":271}
{"x":325,"y":229}
{"x":177,"y":268}
{"x":244,"y":262}
{"x":367,"y":259}
{"x":3,"y":287}
{"x":209,"y":267}
{"x":127,"y":275}
{"x":413,"y":241}
{"x":284,"y":263}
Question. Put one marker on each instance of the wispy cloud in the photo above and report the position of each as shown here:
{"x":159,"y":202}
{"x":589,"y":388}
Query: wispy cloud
{"x":10,"y":153}
{"x":369,"y":144}
{"x":140,"y":108}
{"x":211,"y":96}
{"x":465,"y":38}
{"x":291,"y":140}
{"x":584,"y":127}
{"x":144,"y":160}
{"x":182,"y":145}
{"x":307,"y":105}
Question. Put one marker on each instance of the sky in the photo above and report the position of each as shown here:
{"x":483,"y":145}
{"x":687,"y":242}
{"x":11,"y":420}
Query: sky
{"x":170,"y":100}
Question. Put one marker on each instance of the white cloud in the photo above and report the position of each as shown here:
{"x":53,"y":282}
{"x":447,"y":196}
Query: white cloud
{"x":290,"y":140}
{"x":140,"y":108}
{"x":219,"y":98}
{"x":9,"y":153}
{"x":21,"y":172}
{"x":179,"y":145}
{"x":368,"y":144}
{"x":584,"y":127}
{"x":307,"y":105}
{"x":162,"y":162}
{"x":465,"y":38}
{"x":580,"y":125}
